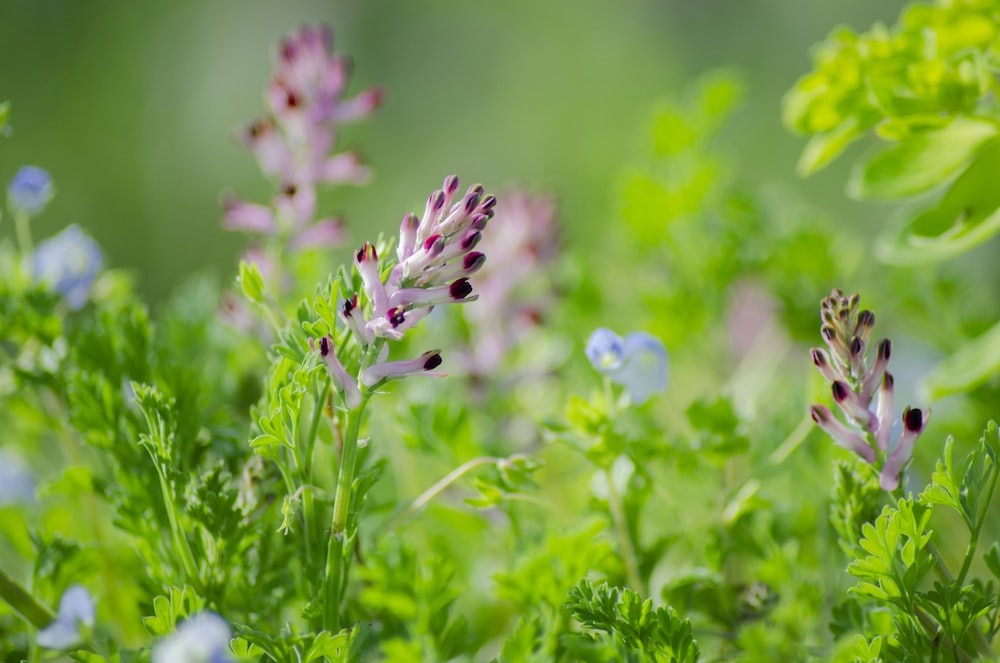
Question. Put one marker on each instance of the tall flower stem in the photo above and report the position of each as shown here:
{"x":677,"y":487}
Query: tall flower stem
{"x":24,"y":603}
{"x":22,"y":227}
{"x":336,"y":563}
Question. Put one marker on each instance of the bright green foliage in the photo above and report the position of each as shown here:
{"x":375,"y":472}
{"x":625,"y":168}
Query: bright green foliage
{"x":641,"y":633}
{"x":928,"y":85}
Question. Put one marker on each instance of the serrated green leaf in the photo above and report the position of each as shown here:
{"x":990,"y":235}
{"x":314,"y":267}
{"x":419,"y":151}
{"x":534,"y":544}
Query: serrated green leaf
{"x":974,"y":363}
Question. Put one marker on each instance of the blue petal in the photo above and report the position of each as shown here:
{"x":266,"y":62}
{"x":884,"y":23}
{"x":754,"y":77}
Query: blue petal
{"x":16,"y":482}
{"x":204,"y":638}
{"x":605,"y":350}
{"x":76,"y":607}
{"x":69,"y":262}
{"x":644,"y":369}
{"x":30,"y":191}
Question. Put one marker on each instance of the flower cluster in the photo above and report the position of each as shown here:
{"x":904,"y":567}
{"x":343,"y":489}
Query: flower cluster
{"x":30,"y":191}
{"x":638,"y":362}
{"x":436,"y":256}
{"x":294,"y":143}
{"x":854,"y":383}
{"x":515,"y":287}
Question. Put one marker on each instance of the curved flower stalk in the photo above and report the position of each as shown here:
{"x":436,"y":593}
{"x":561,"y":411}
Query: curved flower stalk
{"x":435,"y":257}
{"x":295,"y":144}
{"x":515,"y":287}
{"x":854,"y":383}
{"x":638,"y":362}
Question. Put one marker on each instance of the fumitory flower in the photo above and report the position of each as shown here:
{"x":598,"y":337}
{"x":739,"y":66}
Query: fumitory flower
{"x":638,"y":362}
{"x":29,"y":191}
{"x":69,"y":263}
{"x":204,"y":638}
{"x":854,"y":383}
{"x":76,"y":609}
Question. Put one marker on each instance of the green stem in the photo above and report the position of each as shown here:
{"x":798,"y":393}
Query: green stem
{"x":180,"y":541}
{"x":335,"y":560}
{"x":425,"y":497}
{"x":22,"y":227}
{"x":24,"y":603}
{"x":621,"y":528}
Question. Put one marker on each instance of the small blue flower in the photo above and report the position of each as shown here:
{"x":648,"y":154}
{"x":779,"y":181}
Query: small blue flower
{"x":16,"y":483}
{"x":30,"y":191}
{"x":204,"y":638}
{"x":76,"y":609}
{"x":638,"y":363}
{"x":69,"y":262}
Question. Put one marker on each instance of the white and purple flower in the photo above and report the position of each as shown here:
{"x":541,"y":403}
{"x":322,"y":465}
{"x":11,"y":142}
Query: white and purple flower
{"x":638,"y":362}
{"x":69,"y":264}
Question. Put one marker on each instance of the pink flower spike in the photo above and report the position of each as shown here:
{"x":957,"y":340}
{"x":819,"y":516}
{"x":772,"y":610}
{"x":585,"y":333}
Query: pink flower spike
{"x":391,"y":370}
{"x":914,"y":423}
{"x":341,"y":380}
{"x":884,"y":411}
{"x":249,"y":217}
{"x":841,"y":434}
{"x":323,"y":234}
{"x":366,"y":262}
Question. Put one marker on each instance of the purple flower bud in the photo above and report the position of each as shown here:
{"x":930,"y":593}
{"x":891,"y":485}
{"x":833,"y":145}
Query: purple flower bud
{"x":852,"y":406}
{"x":879,"y":366}
{"x":841,"y":434}
{"x":407,"y":237}
{"x":391,"y":370}
{"x":451,"y":185}
{"x":29,"y":191}
{"x":350,"y":314}
{"x":884,"y":411}
{"x":914,"y":423}
{"x":822,"y":361}
{"x":69,"y":263}
{"x":366,"y":262}
{"x":248,"y":217}
{"x":458,"y":292}
{"x":76,"y":609}
{"x":343,"y":382}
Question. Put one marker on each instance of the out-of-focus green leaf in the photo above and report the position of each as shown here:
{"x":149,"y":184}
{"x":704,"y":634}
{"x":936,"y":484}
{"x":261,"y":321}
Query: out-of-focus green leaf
{"x":824,"y":147}
{"x":920,"y":162}
{"x":971,"y":365}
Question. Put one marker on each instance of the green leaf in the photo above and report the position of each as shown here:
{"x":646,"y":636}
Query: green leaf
{"x":251,"y":282}
{"x":919,"y":162}
{"x":823,"y":148}
{"x":964,"y":218}
{"x":974,"y":363}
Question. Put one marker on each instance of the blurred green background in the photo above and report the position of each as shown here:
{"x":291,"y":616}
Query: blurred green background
{"x":134,"y":106}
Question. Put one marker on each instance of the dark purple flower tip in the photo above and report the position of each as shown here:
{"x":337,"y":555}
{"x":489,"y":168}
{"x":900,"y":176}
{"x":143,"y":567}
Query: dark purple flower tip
{"x":324,"y":346}
{"x":436,"y":201}
{"x":819,"y":357}
{"x":460,"y":289}
{"x":840,"y":391}
{"x":843,"y":313}
{"x":396,"y":316}
{"x":434,"y":244}
{"x":451,"y":184}
{"x":884,"y":349}
{"x":367,"y":252}
{"x":473,"y":261}
{"x":828,"y":333}
{"x":471,"y":202}
{"x":819,"y":415}
{"x":477,"y":189}
{"x":471,"y":240}
{"x":857,"y":346}
{"x":866,"y":319}
{"x":479,"y":221}
{"x":489,"y":202}
{"x":854,"y":300}
{"x":350,"y":305}
{"x":913,"y":420}
{"x":432,"y":360}
{"x":888,"y":381}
